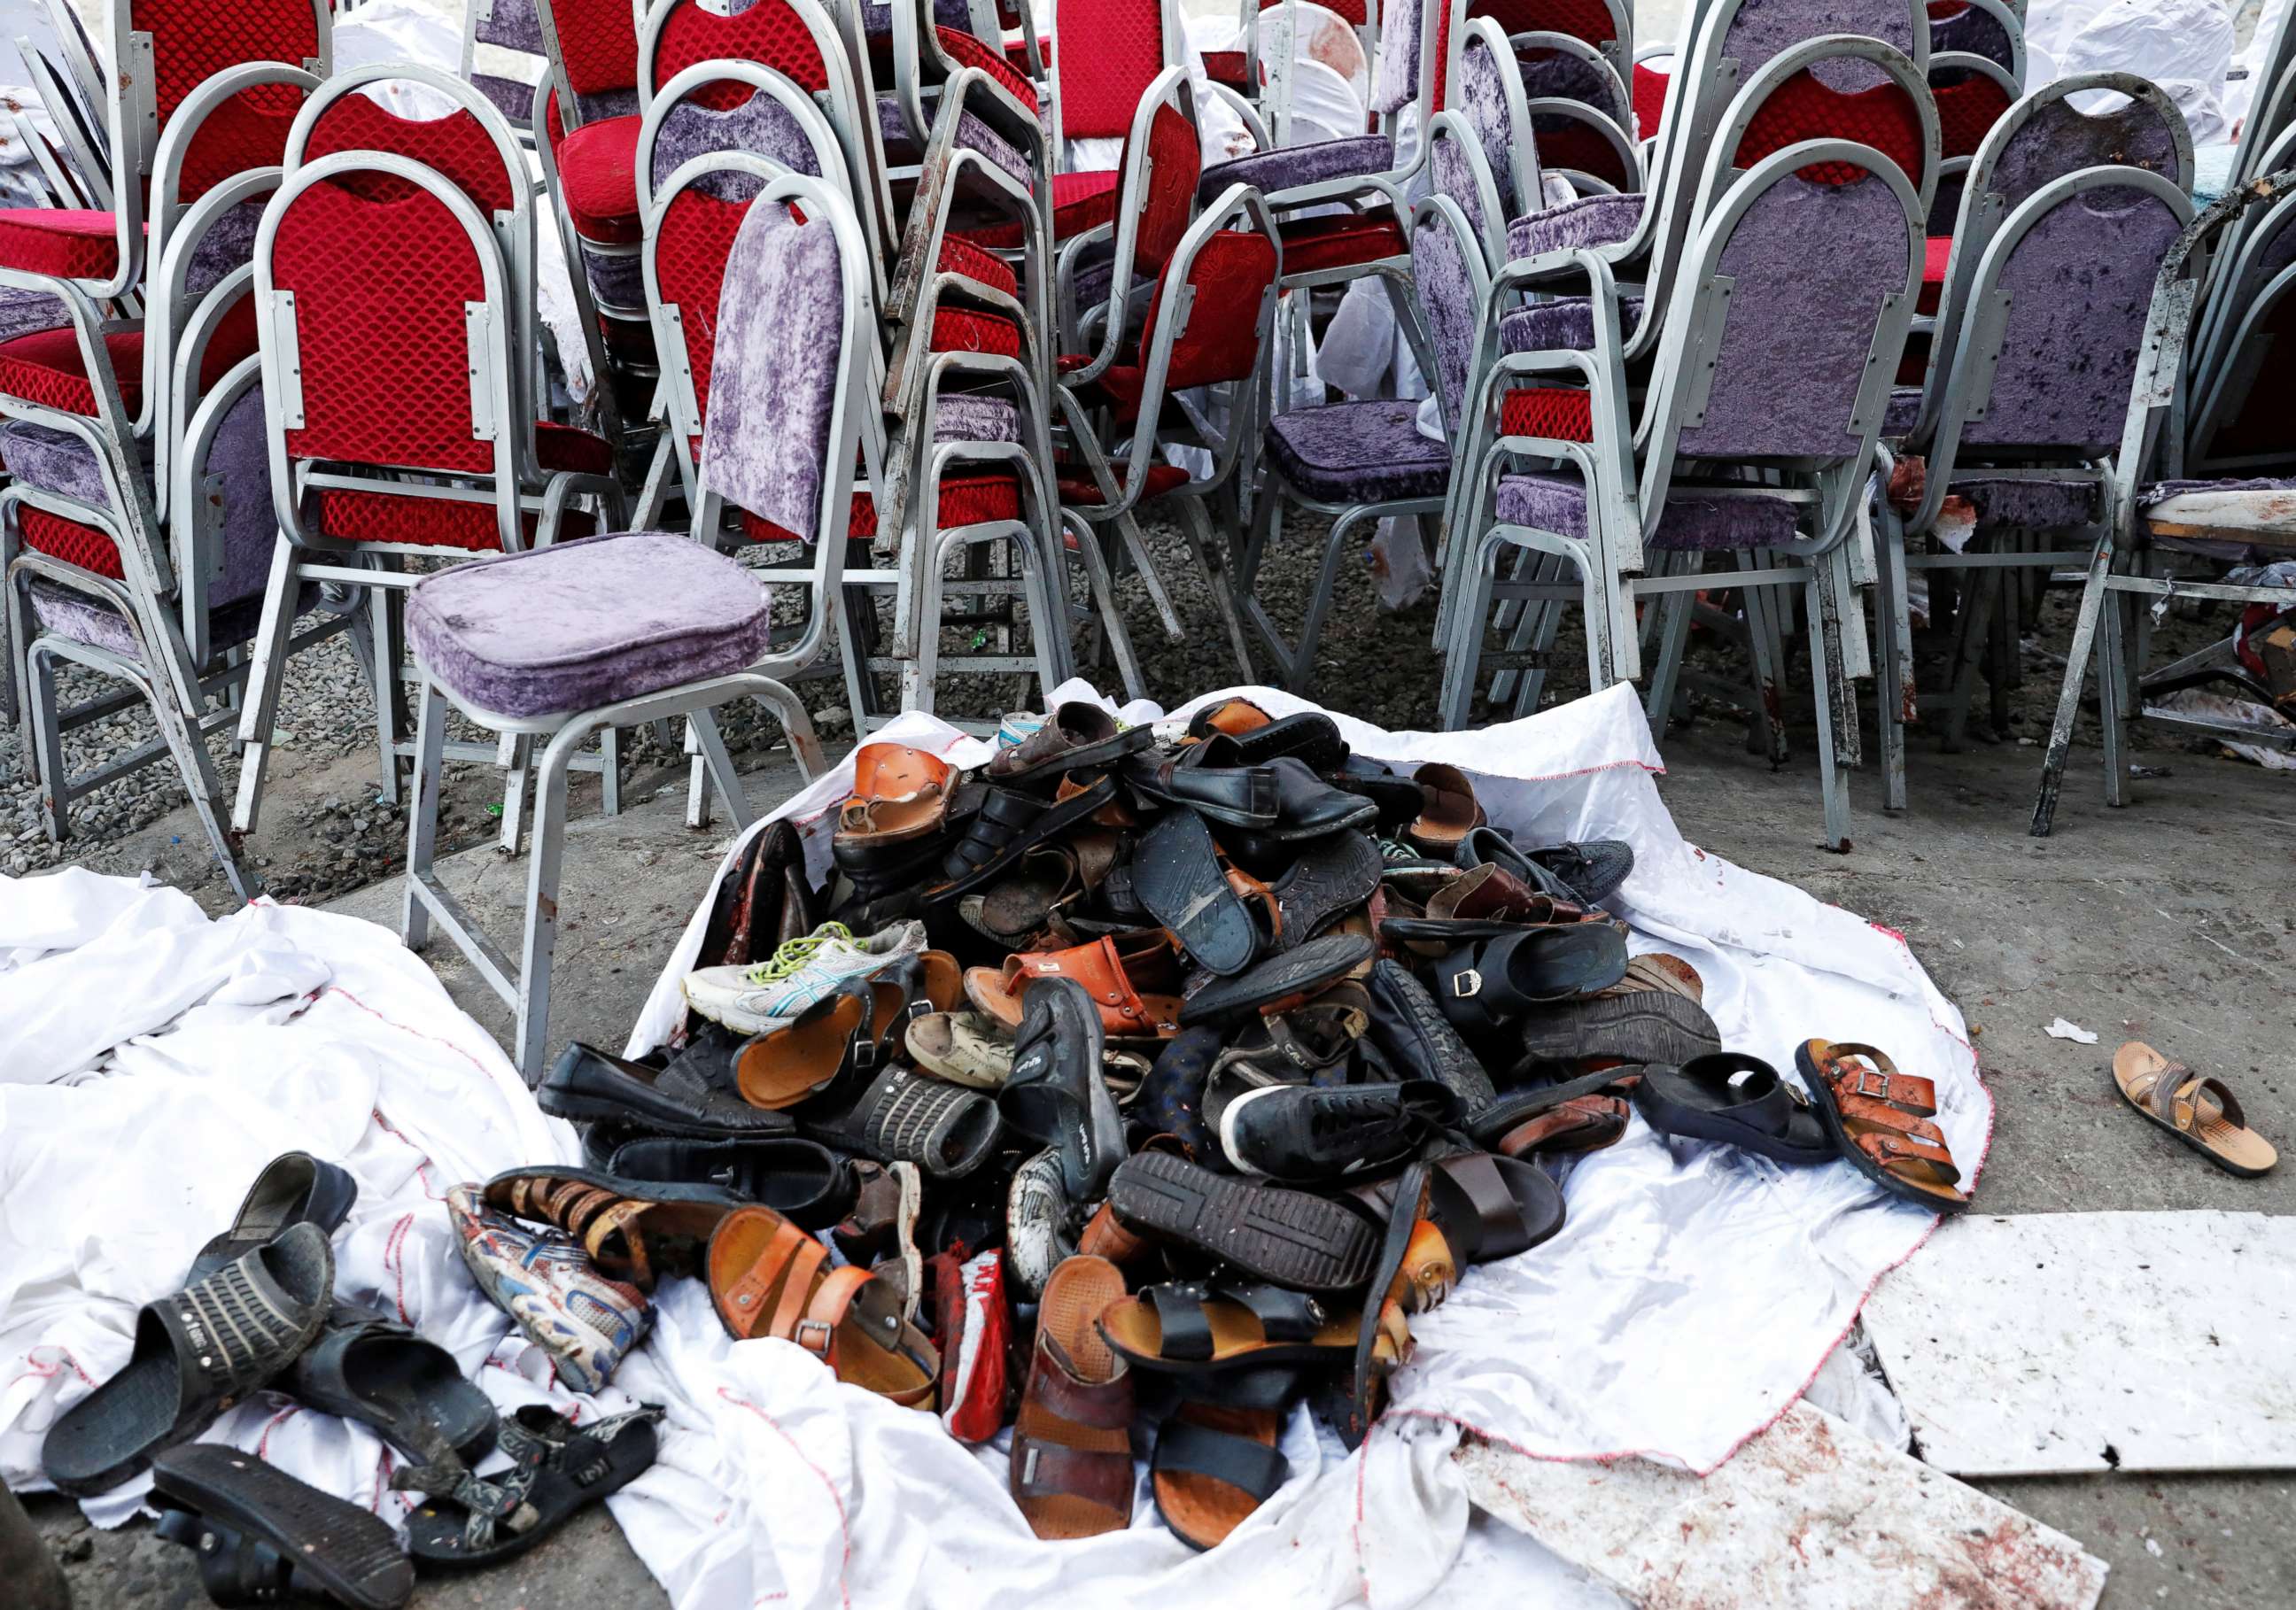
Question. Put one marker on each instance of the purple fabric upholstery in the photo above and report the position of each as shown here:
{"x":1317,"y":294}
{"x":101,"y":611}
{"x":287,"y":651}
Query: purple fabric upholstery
{"x":54,"y":462}
{"x":1358,"y":453}
{"x":971,"y":133}
{"x":67,"y":613}
{"x":599,"y":105}
{"x":1812,"y":262}
{"x":2079,"y":283}
{"x":781,"y":342}
{"x":1589,"y":221}
{"x":1290,"y":166}
{"x":1447,"y":299}
{"x":1978,"y":32}
{"x":1565,"y":325}
{"x":617,"y":279}
{"x":1455,"y":176}
{"x":1692,"y":522}
{"x":1395,"y":77}
{"x":1762,"y":28}
{"x":2160,"y":491}
{"x":1561,"y":77}
{"x":760,"y":126}
{"x":2057,"y":140}
{"x":228,"y":243}
{"x":514,"y":25}
{"x":584,"y":624}
{"x":959,"y":417}
{"x":2033,"y":505}
{"x":22,"y":312}
{"x":512,"y":97}
{"x":1904,"y":412}
{"x":1482,"y":99}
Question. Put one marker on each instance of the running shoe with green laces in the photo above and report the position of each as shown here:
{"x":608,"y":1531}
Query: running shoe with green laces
{"x":759,"y":999}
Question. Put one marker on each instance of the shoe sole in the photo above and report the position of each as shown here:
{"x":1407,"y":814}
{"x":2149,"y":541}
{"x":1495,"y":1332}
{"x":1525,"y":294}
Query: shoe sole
{"x":355,"y":1556}
{"x":1286,"y":1237}
{"x":1644,"y":1026}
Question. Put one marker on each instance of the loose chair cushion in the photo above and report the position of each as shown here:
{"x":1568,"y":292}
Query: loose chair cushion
{"x":1588,"y":222}
{"x":585,"y":624}
{"x":598,"y":177}
{"x":72,"y":243}
{"x":1358,"y":453}
{"x":1288,"y":167}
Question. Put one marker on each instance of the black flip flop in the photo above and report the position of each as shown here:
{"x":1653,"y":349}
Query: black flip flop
{"x":294,"y":1188}
{"x":1055,"y":1095}
{"x":369,"y":1367}
{"x":1288,"y":1237}
{"x":801,"y":1180}
{"x":1485,"y":984}
{"x":1736,"y":1100}
{"x":1176,"y":873}
{"x":1009,"y":824}
{"x":1296,"y":972}
{"x":556,"y":1468}
{"x":262,"y":1534}
{"x":196,"y":1355}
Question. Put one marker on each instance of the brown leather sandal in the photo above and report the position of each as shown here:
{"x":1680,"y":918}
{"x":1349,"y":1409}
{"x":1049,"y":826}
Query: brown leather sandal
{"x":898,"y":794}
{"x":2200,"y":1112}
{"x":633,"y":1230}
{"x":1449,"y":814}
{"x":782,"y":1066}
{"x":1880,"y":1121}
{"x":1072,"y":1471}
{"x":766,"y":1278}
{"x":1133,"y":978}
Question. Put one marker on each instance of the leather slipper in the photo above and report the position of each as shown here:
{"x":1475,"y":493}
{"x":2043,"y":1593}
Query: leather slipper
{"x":1213,"y":1466}
{"x":1071,"y":1469}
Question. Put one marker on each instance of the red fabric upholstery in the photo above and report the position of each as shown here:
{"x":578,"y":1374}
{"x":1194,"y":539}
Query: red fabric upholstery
{"x":696,"y":234}
{"x":70,"y":541}
{"x":1650,"y":88}
{"x":1802,"y":108}
{"x":1573,"y":144}
{"x":44,"y":367}
{"x":963,"y":257}
{"x":1176,"y":162}
{"x":967,"y":498}
{"x":563,"y":447}
{"x":72,"y":243}
{"x":1101,"y":88}
{"x":966,"y":51}
{"x":421,"y":522}
{"x":1077,"y":486}
{"x":769,"y":33}
{"x":962,"y":329}
{"x":598,"y":177}
{"x":1935,"y":254}
{"x":457,"y":145}
{"x":1341,"y":240}
{"x":597,"y":42}
{"x":1587,"y":19}
{"x":1081,"y":202}
{"x":1560,"y":413}
{"x":380,"y":288}
{"x":193,"y":40}
{"x":1966,"y":112}
{"x":250,"y":130}
{"x":1226,"y":67}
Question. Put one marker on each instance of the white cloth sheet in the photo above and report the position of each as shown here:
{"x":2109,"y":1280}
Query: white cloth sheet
{"x":1693,"y":1294}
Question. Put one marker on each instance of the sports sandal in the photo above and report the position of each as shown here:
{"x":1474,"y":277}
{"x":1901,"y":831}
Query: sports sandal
{"x":1071,"y":1470}
{"x":1204,"y":1327}
{"x":1176,"y":872}
{"x":1447,"y":812}
{"x":261,"y":1535}
{"x":1287,"y":1237}
{"x":1214,"y":1466}
{"x":294,"y":1188}
{"x":767,"y":1278}
{"x":2199,"y":1111}
{"x":196,"y":1355}
{"x":1736,"y":1100}
{"x":633,"y":1230}
{"x":367,"y":1367}
{"x":557,"y":1467}
{"x":1056,"y":1095}
{"x":1879,"y":1119}
{"x":1134,"y":978}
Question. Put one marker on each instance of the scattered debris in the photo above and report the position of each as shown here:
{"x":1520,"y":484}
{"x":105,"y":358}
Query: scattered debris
{"x":2062,"y":1030}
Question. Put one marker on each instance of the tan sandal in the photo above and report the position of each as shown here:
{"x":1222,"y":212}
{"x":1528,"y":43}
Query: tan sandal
{"x":1072,"y":1471}
{"x":1880,"y":1121}
{"x":766,"y":1280}
{"x":2199,"y":1111}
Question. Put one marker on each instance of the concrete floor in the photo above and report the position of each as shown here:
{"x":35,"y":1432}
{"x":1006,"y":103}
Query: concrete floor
{"x":2152,"y":922}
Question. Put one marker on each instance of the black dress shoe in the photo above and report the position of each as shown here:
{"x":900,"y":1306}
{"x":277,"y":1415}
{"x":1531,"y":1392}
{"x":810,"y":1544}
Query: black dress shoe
{"x":1411,"y":1034}
{"x":1310,"y":737}
{"x":802,"y":1180}
{"x":591,"y":1087}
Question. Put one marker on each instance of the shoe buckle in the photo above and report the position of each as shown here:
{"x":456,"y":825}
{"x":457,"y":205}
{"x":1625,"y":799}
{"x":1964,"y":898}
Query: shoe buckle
{"x":1872,"y":1083}
{"x":1466,"y":982}
{"x":813,"y":1335}
{"x":864,"y":1055}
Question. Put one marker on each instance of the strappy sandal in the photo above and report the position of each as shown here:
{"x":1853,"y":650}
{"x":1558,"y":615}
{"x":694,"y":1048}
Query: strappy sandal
{"x":1134,"y":978}
{"x":1204,"y":1327}
{"x":633,"y":1230}
{"x":1009,"y":824}
{"x":767,"y":1278}
{"x":1071,"y":1469}
{"x":1486,"y":1206}
{"x":1879,"y":1119}
{"x":260,"y":1535}
{"x":844,"y":1031}
{"x":557,"y":1467}
{"x":2198,"y":1110}
{"x":1215,"y":1464}
{"x":196,"y":1355}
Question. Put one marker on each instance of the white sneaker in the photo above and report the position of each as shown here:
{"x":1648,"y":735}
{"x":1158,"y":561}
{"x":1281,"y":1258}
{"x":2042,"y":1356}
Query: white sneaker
{"x":759,"y":999}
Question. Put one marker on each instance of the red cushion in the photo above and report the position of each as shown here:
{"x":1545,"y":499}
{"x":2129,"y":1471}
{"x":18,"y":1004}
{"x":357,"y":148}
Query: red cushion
{"x":963,"y":257}
{"x":966,"y":51}
{"x":565,"y":447}
{"x":962,"y":329}
{"x":1935,"y":256}
{"x":1078,"y":487}
{"x":598,"y":177}
{"x":1225,"y":66}
{"x":44,"y":367}
{"x":1560,"y":413}
{"x":69,"y":243}
{"x":70,"y":541}
{"x":421,"y":522}
{"x":1340,"y":240}
{"x":971,"y":498}
{"x":1081,"y":202}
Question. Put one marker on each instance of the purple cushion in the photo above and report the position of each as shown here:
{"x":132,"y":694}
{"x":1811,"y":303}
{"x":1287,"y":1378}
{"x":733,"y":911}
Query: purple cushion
{"x":1692,"y":522}
{"x":1358,"y":453}
{"x":971,"y":133}
{"x":1904,"y":411}
{"x":1589,"y":221}
{"x":1565,"y":325}
{"x":1288,"y":167}
{"x":2037,"y":505}
{"x":617,"y":280}
{"x":963,"y":418}
{"x":68,"y":612}
{"x":585,"y":624}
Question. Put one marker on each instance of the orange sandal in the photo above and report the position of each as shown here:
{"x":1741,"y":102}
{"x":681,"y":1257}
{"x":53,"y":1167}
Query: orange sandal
{"x":766,"y":1280}
{"x":1880,"y":1121}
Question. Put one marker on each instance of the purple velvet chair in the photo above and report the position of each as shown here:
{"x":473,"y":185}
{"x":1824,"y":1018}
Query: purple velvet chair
{"x":520,"y":644}
{"x":1755,"y":437}
{"x":2167,"y":512}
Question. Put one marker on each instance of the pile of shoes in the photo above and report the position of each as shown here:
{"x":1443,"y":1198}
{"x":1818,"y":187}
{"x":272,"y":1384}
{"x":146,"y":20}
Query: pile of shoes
{"x":258,"y":1312}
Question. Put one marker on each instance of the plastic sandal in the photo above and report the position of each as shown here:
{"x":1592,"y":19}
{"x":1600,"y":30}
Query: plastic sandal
{"x":261,"y":1534}
{"x":294,"y":1188}
{"x":369,"y":1367}
{"x":2199,"y":1111}
{"x":556,"y":1468}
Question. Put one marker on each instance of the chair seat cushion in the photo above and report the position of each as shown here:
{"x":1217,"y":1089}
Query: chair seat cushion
{"x":1904,"y":411}
{"x":1081,"y":201}
{"x":971,"y":133}
{"x":1936,"y":253}
{"x":966,"y":51}
{"x":964,"y":329}
{"x":1565,"y":325}
{"x":46,"y":366}
{"x":1347,"y":240}
{"x":598,"y":179}
{"x":68,"y":242}
{"x":70,"y":541}
{"x":1691,"y":521}
{"x":1588,"y":222}
{"x":977,"y":263}
{"x":1358,"y":453}
{"x":1078,"y":487}
{"x":56,"y":462}
{"x":67,"y":612}
{"x":2031,"y":505}
{"x":973,"y":497}
{"x":585,"y":624}
{"x":1288,"y":167}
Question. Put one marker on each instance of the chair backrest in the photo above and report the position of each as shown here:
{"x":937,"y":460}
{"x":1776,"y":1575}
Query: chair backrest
{"x":1451,"y":279}
{"x":1419,"y":41}
{"x":2236,"y":416}
{"x":593,"y":46}
{"x":1121,"y":46}
{"x":1978,"y":27}
{"x":1972,"y":94}
{"x":1156,"y":194}
{"x":510,"y":25}
{"x":1536,"y":25}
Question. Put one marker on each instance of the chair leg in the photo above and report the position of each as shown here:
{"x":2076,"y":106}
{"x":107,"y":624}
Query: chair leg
{"x":1196,"y":526}
{"x":182,"y":735}
{"x":2112,"y":682}
{"x":1974,"y":630}
{"x":1895,"y":703}
{"x":1301,"y":672}
{"x":1102,"y":587}
{"x":805,"y":745}
{"x":541,"y":944}
{"x":610,"y":772}
{"x":1674,"y":638}
{"x":1542,"y":621}
{"x":720,"y":765}
{"x":697,"y":781}
{"x":1766,"y":733}
{"x":1830,"y":689}
{"x":1136,"y":544}
{"x":43,"y":745}
{"x":1463,"y":658}
{"x":423,"y":811}
{"x":261,"y":718}
{"x":2093,"y":593}
{"x":520,"y":767}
